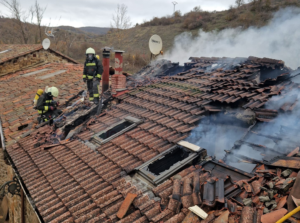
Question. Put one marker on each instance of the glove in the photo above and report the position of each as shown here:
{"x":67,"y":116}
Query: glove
{"x":51,"y":108}
{"x":55,"y":103}
{"x":84,"y":80}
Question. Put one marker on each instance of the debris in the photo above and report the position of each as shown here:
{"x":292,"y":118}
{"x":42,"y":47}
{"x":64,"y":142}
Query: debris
{"x":256,"y":185}
{"x":287,"y":184}
{"x":190,"y":146}
{"x":294,"y":152}
{"x":281,"y":202}
{"x":264,"y":198}
{"x":209,"y":218}
{"x":270,"y":203}
{"x":191,"y":218}
{"x":198,"y":211}
{"x":223,"y":218}
{"x":266,"y":210}
{"x":247,"y":201}
{"x":286,"y":173}
{"x":271,"y":185}
{"x":287,"y":162}
{"x":296,"y":193}
{"x":273,"y":216}
{"x":271,"y":194}
{"x":125,"y":205}
{"x":247,"y":215}
{"x":264,"y":189}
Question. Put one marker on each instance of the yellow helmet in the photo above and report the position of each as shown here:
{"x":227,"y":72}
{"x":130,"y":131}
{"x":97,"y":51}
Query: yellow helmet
{"x":54,"y":91}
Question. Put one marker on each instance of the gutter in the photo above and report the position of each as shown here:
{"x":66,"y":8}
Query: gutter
{"x":18,"y":176}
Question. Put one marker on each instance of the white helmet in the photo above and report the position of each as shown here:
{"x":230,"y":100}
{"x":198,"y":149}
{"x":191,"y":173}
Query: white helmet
{"x":53,"y":90}
{"x":90,"y":51}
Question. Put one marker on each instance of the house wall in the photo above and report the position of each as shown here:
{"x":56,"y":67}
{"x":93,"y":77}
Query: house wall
{"x":37,"y":57}
{"x":14,"y":202}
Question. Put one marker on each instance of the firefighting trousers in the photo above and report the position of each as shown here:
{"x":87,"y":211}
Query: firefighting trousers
{"x":93,"y":89}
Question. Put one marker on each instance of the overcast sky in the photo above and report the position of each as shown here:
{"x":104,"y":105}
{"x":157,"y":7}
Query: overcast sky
{"x":80,"y":13}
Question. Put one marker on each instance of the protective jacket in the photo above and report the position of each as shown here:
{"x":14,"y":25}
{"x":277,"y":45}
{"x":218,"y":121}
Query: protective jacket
{"x":44,"y":102}
{"x":92,"y":69}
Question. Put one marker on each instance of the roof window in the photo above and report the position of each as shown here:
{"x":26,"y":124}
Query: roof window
{"x":164,"y":165}
{"x":116,"y":130}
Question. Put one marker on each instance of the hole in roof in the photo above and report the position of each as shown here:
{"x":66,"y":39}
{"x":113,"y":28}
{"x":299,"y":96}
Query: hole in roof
{"x":22,"y":127}
{"x":4,"y":51}
{"x":168,"y":160}
{"x":168,"y":163}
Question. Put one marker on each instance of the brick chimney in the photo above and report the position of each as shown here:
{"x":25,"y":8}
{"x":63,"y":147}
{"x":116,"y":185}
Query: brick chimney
{"x":118,"y":80}
{"x":105,"y":62}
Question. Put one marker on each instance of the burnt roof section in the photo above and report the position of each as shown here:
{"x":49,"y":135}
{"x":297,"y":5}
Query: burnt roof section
{"x":80,"y":180}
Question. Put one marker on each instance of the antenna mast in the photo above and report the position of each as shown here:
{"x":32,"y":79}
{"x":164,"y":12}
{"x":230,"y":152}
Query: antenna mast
{"x":174,"y":3}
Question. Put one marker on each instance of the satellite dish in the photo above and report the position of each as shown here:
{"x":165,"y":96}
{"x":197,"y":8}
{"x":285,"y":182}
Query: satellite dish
{"x":46,"y":43}
{"x":155,"y":44}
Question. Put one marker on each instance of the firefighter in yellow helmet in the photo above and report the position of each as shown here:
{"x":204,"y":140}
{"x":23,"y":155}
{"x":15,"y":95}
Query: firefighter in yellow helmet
{"x":46,"y":105}
{"x":92,"y":74}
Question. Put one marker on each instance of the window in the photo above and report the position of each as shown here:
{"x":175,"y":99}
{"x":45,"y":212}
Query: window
{"x":164,"y":165}
{"x":116,"y":130}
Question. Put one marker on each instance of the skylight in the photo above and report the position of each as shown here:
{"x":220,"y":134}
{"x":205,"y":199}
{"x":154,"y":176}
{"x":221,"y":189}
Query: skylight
{"x":116,"y":130}
{"x":166,"y":164}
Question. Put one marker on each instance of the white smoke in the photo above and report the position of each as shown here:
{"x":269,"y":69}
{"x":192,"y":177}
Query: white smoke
{"x":280,"y":39}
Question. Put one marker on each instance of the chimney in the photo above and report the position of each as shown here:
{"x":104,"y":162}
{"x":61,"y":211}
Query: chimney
{"x":118,"y":80}
{"x":105,"y":62}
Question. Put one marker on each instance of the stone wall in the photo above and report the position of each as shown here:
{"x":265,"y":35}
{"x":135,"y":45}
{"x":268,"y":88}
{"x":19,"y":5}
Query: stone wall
{"x":14,"y":202}
{"x":28,"y":60}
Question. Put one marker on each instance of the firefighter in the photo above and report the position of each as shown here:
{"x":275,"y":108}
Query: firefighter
{"x":46,"y":106}
{"x":92,"y":74}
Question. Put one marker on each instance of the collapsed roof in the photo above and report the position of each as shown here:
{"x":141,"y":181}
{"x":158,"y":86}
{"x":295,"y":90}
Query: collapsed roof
{"x":82,"y":168}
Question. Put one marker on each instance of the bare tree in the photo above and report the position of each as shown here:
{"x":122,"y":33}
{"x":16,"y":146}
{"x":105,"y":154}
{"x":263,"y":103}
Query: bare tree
{"x":239,"y":3}
{"x":19,"y":15}
{"x":120,"y":22}
{"x":39,"y":12}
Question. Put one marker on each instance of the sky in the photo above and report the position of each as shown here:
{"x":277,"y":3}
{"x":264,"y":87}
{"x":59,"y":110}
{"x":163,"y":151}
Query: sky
{"x":99,"y":13}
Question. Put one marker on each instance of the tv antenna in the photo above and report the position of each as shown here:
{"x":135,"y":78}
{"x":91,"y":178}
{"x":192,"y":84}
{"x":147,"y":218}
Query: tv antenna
{"x":174,"y":3}
{"x":50,"y":32}
{"x":155,"y":45}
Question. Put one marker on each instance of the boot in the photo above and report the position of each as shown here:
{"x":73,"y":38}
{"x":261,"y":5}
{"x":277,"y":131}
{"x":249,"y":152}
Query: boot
{"x":96,"y":101}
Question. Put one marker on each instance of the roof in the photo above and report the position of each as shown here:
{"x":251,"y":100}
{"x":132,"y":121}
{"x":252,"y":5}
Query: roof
{"x":81,"y":180}
{"x":13,"y":51}
{"x":18,"y":91}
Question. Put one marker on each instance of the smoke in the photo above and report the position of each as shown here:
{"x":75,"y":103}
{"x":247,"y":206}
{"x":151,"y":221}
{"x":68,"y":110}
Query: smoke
{"x":216,"y":134}
{"x":277,"y":138}
{"x":278,"y":40}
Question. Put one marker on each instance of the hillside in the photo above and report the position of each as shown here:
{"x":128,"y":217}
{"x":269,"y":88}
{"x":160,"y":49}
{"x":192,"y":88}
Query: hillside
{"x":73,"y":41}
{"x":95,"y":30}
{"x":86,"y":29}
